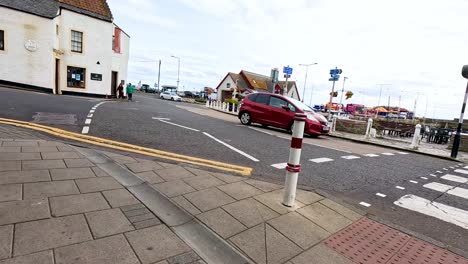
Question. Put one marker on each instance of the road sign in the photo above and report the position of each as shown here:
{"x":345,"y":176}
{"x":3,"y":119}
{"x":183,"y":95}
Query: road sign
{"x":287,"y":70}
{"x":336,"y":71}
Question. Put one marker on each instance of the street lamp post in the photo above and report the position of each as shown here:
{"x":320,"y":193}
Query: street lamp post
{"x":380,"y":95}
{"x":178,"y":70}
{"x":342,"y":90}
{"x":456,"y":141}
{"x":305,"y":81}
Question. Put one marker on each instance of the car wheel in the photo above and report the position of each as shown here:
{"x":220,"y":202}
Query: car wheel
{"x":245,"y":118}
{"x":172,"y":98}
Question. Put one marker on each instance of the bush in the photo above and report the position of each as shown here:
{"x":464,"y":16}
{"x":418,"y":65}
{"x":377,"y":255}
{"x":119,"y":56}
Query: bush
{"x":201,"y":100}
{"x":232,"y":101}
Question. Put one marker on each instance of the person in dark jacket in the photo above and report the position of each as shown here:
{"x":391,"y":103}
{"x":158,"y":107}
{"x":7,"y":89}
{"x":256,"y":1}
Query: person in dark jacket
{"x":120,"y":90}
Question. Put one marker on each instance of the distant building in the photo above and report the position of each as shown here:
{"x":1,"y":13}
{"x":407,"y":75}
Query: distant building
{"x":249,"y":82}
{"x":62,"y":46}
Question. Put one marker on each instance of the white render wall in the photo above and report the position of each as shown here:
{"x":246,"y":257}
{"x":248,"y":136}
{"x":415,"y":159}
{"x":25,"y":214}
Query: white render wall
{"x":223,"y":87}
{"x":120,"y":60}
{"x":17,"y":64}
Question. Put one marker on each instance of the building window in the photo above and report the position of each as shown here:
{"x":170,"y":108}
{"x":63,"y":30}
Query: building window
{"x":76,"y":77}
{"x":56,"y":30}
{"x":76,"y":41}
{"x":2,"y":40}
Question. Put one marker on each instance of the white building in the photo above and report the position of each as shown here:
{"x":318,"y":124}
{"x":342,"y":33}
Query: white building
{"x":62,"y":46}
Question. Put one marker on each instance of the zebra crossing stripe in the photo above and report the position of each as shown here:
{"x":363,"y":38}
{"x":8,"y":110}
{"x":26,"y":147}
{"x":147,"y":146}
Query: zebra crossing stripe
{"x":456,"y":191}
{"x":388,"y":154}
{"x":403,"y":153}
{"x":441,"y":211}
{"x":454,"y":178}
{"x":280,"y":165}
{"x":321,"y":160}
{"x":461,"y":171}
{"x":350,"y":157}
{"x":381,"y":195}
{"x":371,"y":155}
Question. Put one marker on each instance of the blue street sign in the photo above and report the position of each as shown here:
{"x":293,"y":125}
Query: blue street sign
{"x":336,"y":71}
{"x":287,"y":70}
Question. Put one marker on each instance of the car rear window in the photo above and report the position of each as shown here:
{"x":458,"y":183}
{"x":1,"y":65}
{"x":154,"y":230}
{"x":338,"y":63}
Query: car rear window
{"x":252,"y":97}
{"x":262,"y":99}
{"x":277,"y":102}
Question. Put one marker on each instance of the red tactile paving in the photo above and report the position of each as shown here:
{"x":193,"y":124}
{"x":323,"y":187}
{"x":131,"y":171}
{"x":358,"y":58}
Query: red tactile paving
{"x":369,"y":242}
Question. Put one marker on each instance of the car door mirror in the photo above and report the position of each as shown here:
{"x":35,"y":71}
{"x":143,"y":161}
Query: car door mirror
{"x":285,"y":107}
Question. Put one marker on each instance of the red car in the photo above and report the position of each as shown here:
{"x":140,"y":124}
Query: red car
{"x":275,"y":110}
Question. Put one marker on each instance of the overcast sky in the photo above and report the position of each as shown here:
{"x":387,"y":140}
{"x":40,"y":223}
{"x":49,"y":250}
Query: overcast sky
{"x":416,"y":46}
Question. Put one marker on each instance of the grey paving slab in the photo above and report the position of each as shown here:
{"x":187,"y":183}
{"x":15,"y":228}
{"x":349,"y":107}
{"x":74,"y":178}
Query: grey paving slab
{"x":264,"y":186}
{"x":50,"y":233}
{"x":307,"y":197}
{"x":321,"y":254}
{"x":60,"y":155}
{"x":147,"y":223}
{"x":10,"y":165}
{"x":20,"y":144}
{"x":65,"y":148}
{"x":274,"y":201}
{"x":167,"y":165}
{"x":78,"y":163}
{"x":135,"y":212}
{"x":174,"y":188}
{"x":221,"y":222}
{"x":75,"y":204}
{"x":240,"y":190}
{"x":132,"y":207}
{"x":124,"y":159}
{"x":174,"y":173}
{"x":49,"y":189}
{"x":198,"y":172}
{"x":250,"y":212}
{"x":156,"y":243}
{"x":109,"y":250}
{"x":119,"y":197}
{"x":299,"y":229}
{"x":150,"y":176}
{"x":208,"y":199}
{"x":122,"y":175}
{"x":39,"y":149}
{"x":7,"y":177}
{"x":99,"y":172}
{"x":252,"y":243}
{"x":348,"y":213}
{"x":24,"y":210}
{"x":19,"y":156}
{"x":42,"y":164}
{"x":43,"y":257}
{"x":108,"y":222}
{"x":6,"y":241}
{"x":144,"y":166}
{"x":185,"y":204}
{"x":325,"y":217}
{"x":184,"y":258}
{"x":203,"y":182}
{"x":227,"y":178}
{"x":10,"y":149}
{"x":141,"y":217}
{"x":43,"y":143}
{"x":97,"y":184}
{"x":10,"y":192}
{"x":71,"y":173}
{"x":279,"y":248}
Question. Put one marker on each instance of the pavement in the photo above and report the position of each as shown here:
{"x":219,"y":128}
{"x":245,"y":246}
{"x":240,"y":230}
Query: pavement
{"x":63,"y":203}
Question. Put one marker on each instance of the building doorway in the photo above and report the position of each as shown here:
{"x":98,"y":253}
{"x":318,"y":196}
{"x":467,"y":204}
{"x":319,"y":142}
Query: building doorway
{"x":57,"y":77}
{"x":114,"y":84}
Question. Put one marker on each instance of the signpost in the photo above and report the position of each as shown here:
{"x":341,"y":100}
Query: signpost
{"x":335,"y":76}
{"x":287,"y":74}
{"x":456,"y":140}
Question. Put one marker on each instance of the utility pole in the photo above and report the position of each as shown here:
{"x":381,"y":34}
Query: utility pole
{"x":335,"y":75}
{"x":415,"y":104}
{"x":456,"y":141}
{"x":380,"y":95}
{"x":178,"y":70}
{"x":159,"y":74}
{"x":305,"y":81}
{"x":342,"y":90}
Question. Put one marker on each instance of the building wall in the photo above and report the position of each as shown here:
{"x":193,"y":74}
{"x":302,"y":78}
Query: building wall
{"x":17,"y":64}
{"x":120,"y":60}
{"x":224,"y":91}
{"x":293,"y":93}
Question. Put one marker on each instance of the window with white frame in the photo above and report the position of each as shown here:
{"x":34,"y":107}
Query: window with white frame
{"x":2,"y":40}
{"x":76,"y":41}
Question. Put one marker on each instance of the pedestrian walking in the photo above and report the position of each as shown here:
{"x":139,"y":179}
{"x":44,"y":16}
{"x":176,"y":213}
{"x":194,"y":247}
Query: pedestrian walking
{"x":130,"y":91}
{"x":120,"y":90}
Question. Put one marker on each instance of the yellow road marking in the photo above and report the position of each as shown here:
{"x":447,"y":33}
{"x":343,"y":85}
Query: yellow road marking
{"x":129,"y":147}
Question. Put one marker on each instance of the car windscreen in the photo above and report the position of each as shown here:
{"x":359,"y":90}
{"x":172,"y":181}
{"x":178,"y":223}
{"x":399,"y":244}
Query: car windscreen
{"x":301,"y":105}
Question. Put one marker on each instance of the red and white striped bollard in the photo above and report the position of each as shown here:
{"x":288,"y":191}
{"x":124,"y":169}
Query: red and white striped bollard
{"x":294,"y":166}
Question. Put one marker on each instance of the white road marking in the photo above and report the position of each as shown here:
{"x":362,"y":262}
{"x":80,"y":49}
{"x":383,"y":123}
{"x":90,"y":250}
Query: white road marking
{"x":231,"y":147}
{"x":90,"y":115}
{"x":351,"y":157}
{"x":280,"y":165}
{"x":461,"y":171}
{"x":457,"y":191}
{"x":381,"y":195}
{"x":433,"y":175}
{"x":161,"y":118}
{"x":413,"y":181}
{"x":439,"y":172}
{"x":91,"y":111}
{"x":388,"y":154}
{"x":87,"y":121}
{"x":259,"y":130}
{"x":466,"y":167}
{"x":365,"y":204}
{"x":403,"y":153}
{"x":85,"y":130}
{"x":371,"y":155}
{"x":399,"y":187}
{"x":424,"y":178}
{"x":441,"y":211}
{"x":287,"y":138}
{"x":174,"y":124}
{"x":445,"y":169}
{"x":321,"y":160}
{"x":452,"y":167}
{"x":322,"y":146}
{"x":454,"y":178}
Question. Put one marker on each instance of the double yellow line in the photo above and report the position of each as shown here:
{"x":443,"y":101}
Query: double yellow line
{"x":129,"y":147}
